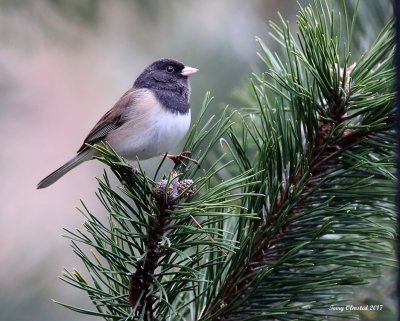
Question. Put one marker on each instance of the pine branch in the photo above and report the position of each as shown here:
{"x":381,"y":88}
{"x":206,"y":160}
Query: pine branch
{"x":160,"y":234}
{"x":142,"y":281}
{"x":316,"y":151}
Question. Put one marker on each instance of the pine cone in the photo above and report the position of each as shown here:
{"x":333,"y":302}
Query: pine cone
{"x":160,"y":189}
{"x":186,"y":187}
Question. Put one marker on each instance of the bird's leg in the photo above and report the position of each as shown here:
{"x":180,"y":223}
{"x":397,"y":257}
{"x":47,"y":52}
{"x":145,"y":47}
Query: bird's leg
{"x":178,"y":159}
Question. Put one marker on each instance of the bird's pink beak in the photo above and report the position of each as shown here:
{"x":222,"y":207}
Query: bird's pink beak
{"x":188,"y":71}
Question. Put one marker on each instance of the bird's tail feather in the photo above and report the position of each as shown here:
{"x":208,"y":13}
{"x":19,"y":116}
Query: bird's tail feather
{"x":58,"y":173}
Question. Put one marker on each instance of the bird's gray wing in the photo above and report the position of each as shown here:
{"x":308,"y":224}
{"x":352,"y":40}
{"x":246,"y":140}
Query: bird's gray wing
{"x":111,"y":120}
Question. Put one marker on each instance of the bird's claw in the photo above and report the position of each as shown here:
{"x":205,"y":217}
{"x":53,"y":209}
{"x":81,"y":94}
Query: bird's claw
{"x":184,"y":156}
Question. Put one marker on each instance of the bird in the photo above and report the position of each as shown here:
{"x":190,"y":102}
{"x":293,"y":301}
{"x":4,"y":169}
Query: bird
{"x":149,"y":120}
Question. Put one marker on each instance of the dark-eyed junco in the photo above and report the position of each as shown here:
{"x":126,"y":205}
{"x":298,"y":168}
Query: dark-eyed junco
{"x":150,"y":119}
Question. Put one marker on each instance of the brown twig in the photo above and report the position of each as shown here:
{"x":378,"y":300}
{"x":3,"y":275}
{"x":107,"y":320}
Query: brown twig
{"x":141,"y":288}
{"x":320,"y":161}
{"x":141,"y":284}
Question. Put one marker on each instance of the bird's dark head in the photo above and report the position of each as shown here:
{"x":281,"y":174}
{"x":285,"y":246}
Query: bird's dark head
{"x":165,"y":74}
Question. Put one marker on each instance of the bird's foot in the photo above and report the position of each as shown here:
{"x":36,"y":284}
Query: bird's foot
{"x":179,"y":159}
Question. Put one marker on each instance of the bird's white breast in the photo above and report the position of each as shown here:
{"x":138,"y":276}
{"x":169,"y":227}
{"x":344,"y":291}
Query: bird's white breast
{"x":150,"y":130}
{"x":166,"y":133}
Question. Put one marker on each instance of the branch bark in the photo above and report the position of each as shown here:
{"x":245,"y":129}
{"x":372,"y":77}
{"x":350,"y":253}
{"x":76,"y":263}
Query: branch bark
{"x":321,"y":160}
{"x":142,"y":284}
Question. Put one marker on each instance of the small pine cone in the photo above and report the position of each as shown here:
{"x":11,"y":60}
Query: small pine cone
{"x":186,"y":187}
{"x":160,"y":187}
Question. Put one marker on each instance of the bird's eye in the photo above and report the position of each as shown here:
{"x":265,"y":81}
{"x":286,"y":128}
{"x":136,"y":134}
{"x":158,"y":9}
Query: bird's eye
{"x":170,"y":69}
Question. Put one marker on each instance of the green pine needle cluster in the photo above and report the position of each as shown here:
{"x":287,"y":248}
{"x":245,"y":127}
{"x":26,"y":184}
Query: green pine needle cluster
{"x":182,"y":223}
{"x":306,"y":214}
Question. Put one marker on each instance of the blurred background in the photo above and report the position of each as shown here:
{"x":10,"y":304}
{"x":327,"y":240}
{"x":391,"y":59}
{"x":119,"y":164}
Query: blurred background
{"x":63,"y":64}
